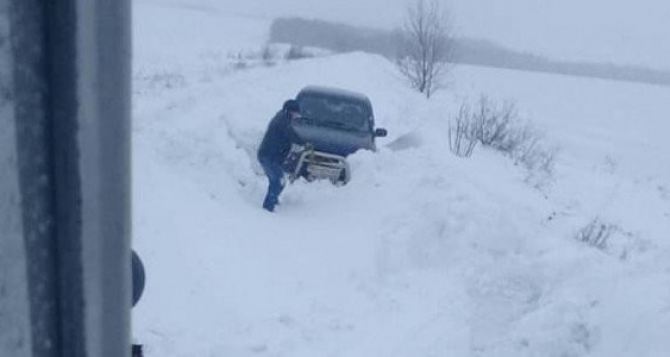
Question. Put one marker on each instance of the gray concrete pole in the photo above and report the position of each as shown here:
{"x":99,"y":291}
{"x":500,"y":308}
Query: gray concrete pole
{"x":69,"y":103}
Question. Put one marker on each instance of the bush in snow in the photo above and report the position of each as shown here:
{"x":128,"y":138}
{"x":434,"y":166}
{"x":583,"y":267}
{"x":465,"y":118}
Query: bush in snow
{"x":533,"y":154}
{"x":297,"y":52}
{"x":462,"y":138}
{"x":596,"y":233}
{"x":239,"y":60}
{"x":498,"y":126}
{"x":268,"y":55}
{"x":144,"y":82}
{"x":494,"y":124}
{"x":611,"y":239}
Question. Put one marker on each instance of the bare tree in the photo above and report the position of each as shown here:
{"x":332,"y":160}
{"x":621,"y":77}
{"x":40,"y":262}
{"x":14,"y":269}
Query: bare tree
{"x":425,"y":46}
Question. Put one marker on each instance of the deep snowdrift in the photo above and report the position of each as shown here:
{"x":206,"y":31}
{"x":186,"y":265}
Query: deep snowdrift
{"x":423,"y":253}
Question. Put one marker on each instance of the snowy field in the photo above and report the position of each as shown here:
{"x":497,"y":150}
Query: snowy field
{"x":422,"y":253}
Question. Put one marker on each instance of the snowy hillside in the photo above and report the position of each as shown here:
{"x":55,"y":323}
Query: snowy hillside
{"x":422,"y":253}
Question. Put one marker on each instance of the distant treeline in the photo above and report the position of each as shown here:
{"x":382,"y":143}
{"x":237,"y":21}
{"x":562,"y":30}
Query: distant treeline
{"x":345,"y":38}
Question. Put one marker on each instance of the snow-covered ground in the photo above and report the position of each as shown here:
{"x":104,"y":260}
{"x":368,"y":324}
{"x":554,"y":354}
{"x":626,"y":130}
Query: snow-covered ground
{"x":422,"y":253}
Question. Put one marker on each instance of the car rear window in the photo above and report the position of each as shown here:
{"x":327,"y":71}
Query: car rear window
{"x":336,"y":112}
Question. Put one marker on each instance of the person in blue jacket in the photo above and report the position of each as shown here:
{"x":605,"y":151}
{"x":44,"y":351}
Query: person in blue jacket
{"x":274,"y":149}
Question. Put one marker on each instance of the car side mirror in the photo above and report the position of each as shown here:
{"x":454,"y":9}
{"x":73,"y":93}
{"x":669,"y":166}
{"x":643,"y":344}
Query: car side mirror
{"x":380,"y":132}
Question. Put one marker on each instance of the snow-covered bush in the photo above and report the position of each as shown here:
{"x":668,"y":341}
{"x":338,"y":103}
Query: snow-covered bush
{"x":145,"y":81}
{"x":297,"y":52}
{"x":494,"y":124}
{"x":532,"y":153}
{"x":596,"y":233}
{"x":611,"y":238}
{"x":239,"y":60}
{"x":268,"y":55}
{"x":462,"y":137}
{"x":499,"y":126}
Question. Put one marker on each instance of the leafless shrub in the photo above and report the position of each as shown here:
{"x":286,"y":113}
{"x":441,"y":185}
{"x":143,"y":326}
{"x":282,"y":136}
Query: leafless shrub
{"x":462,"y":127}
{"x":157,"y":81}
{"x":612,"y":239}
{"x":494,"y":124}
{"x":297,"y":52}
{"x":596,"y":233}
{"x":425,"y":47}
{"x":268,"y":55}
{"x":530,"y":152}
{"x":498,"y":126}
{"x":239,"y":60}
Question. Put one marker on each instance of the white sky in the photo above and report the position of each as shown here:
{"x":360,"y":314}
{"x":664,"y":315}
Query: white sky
{"x":627,"y":31}
{"x":622,"y":31}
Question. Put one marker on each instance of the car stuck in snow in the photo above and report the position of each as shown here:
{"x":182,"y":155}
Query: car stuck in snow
{"x":334,"y":123}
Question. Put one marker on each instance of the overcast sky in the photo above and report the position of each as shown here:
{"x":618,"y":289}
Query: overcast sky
{"x":628,"y":31}
{"x":622,"y":31}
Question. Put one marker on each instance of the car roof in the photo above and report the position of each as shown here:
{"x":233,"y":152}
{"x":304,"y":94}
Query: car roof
{"x":332,"y":91}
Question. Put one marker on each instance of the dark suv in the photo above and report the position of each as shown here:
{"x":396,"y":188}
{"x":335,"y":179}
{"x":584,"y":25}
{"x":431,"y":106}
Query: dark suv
{"x":335,"y":123}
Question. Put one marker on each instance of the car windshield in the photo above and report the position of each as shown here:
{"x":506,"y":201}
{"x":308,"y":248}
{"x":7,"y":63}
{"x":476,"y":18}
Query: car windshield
{"x":336,"y":112}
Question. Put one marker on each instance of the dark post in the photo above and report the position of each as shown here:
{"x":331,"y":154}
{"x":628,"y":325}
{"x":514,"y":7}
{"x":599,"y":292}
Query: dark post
{"x":67,"y":100}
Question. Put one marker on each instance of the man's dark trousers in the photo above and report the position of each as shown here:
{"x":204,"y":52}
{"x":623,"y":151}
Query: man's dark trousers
{"x":275,"y":174}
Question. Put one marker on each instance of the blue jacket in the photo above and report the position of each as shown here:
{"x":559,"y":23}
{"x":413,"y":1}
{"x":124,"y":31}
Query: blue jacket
{"x":278,"y":138}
